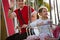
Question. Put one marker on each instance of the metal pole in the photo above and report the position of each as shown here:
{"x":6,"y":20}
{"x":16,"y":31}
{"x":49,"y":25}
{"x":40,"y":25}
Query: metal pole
{"x":36,"y":5}
{"x":54,"y":12}
{"x":29,"y":11}
{"x":57,"y":10}
{"x":29,"y":16}
{"x":50,"y":13}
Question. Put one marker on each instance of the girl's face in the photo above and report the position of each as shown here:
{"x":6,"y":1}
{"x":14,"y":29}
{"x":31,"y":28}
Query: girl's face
{"x":34,"y":17}
{"x":44,"y":12}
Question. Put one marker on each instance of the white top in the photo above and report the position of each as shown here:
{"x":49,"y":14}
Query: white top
{"x":42,"y":28}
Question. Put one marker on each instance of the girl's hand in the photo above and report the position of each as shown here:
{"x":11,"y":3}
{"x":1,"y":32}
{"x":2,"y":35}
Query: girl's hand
{"x":24,"y":26}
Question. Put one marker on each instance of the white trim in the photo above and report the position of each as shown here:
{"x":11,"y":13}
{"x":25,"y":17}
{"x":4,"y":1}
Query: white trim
{"x":5,"y":19}
{"x":34,"y":12}
{"x":9,"y":2}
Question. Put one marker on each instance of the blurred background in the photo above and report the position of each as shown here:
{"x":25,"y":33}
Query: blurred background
{"x":53,"y":12}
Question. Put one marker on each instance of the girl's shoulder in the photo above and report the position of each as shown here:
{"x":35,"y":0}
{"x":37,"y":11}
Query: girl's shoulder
{"x":39,"y":19}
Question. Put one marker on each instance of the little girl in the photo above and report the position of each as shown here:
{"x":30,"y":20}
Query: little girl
{"x":43,"y":24}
